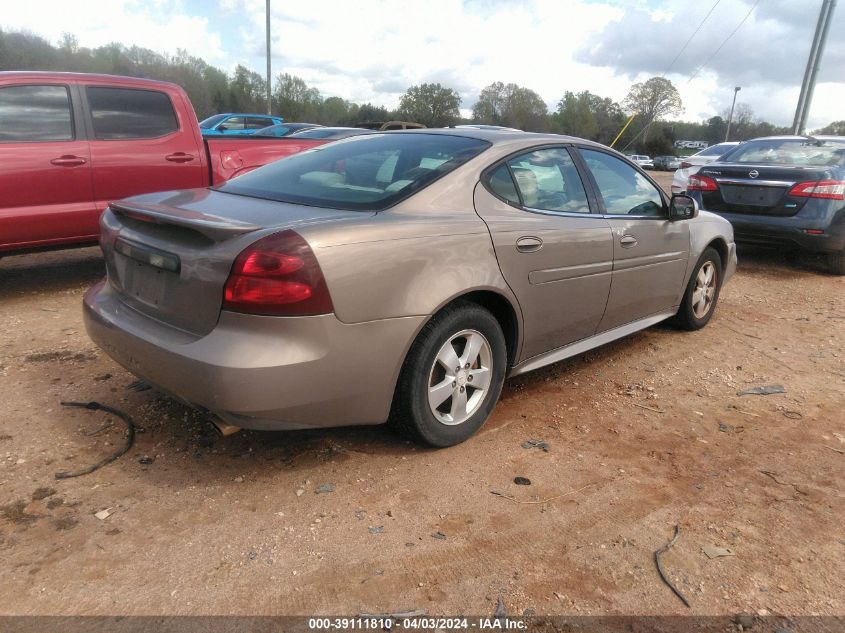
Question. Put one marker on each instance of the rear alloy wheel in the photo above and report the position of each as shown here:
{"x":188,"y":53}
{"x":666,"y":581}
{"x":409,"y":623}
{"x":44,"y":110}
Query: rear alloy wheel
{"x":836,"y":262}
{"x":702,"y":292}
{"x":452,"y":377}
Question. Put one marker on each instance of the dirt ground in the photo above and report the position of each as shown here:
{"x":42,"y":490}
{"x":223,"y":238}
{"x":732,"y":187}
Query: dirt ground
{"x":643,"y":434}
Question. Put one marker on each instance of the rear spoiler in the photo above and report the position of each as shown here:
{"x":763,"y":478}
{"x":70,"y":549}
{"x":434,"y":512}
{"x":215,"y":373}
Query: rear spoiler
{"x":213,"y":227}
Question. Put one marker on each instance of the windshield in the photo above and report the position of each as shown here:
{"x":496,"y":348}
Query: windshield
{"x":369,"y":173}
{"x":211,"y":121}
{"x":716,"y":150}
{"x":806,"y":151}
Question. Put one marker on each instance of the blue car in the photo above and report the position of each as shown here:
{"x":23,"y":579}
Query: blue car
{"x":781,"y":191}
{"x":237,"y":123}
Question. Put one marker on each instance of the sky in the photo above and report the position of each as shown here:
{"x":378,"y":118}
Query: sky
{"x":373,"y":50}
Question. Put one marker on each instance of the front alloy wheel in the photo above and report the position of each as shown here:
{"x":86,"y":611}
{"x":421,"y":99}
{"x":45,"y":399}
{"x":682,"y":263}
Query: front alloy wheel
{"x":706,"y":283}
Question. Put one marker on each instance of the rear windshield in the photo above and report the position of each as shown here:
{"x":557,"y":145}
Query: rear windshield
{"x":789,"y":152}
{"x":370,"y":173}
{"x":715,"y":150}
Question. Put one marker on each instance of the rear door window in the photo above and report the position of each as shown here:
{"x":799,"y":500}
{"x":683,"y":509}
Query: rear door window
{"x":548,"y":180}
{"x":256,"y":123}
{"x":35,"y":114}
{"x":128,"y":113}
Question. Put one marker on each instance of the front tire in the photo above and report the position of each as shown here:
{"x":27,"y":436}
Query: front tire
{"x":702,"y":292}
{"x":452,"y":377}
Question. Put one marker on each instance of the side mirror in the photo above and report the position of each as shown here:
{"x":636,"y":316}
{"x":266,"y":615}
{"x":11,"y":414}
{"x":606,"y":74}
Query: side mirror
{"x":682,"y":207}
{"x":222,"y":127}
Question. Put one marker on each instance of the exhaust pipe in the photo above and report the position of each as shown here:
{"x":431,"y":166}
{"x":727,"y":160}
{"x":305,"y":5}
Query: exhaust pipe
{"x":225,"y":429}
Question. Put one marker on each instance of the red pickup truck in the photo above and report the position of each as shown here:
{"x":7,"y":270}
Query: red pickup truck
{"x":71,"y":143}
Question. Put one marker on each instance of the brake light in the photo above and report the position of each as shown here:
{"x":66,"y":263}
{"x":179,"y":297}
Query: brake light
{"x":277,"y":275}
{"x":685,"y":165}
{"x":828,"y":189}
{"x":701,"y":183}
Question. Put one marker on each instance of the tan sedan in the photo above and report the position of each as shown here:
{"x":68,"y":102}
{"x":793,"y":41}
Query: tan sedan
{"x":398,"y":276}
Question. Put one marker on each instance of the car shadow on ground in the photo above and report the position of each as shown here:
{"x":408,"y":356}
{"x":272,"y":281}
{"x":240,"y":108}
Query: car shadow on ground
{"x":776,"y":261}
{"x":50,"y":272}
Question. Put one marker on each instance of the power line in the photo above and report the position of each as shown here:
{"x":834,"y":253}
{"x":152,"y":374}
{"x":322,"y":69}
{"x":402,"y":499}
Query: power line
{"x":694,"y":33}
{"x":725,"y":41}
{"x":707,"y":61}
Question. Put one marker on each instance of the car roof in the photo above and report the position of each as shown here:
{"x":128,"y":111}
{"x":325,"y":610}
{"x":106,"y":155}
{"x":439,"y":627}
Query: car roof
{"x":500,"y":136}
{"x":117,"y":80}
{"x":266,"y":116}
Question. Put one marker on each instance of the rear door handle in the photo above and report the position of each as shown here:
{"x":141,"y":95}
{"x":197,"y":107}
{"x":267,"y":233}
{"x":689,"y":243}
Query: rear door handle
{"x":68,"y":160}
{"x":628,"y":241}
{"x":529,"y":244}
{"x":179,"y":157}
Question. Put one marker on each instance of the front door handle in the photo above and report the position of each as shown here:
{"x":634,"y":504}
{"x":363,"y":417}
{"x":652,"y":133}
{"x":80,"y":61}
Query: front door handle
{"x":179,"y":157}
{"x":529,"y":244}
{"x":68,"y":160}
{"x":628,"y":241}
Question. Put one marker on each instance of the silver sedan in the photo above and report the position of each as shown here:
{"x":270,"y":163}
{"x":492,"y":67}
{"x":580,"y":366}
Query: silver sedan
{"x":397,"y":277}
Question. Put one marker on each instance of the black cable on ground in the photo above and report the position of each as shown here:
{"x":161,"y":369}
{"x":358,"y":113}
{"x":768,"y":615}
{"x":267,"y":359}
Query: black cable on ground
{"x":130,"y":437}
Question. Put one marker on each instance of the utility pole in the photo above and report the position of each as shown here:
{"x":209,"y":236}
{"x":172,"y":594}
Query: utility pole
{"x":269,"y":84}
{"x":813,"y":62}
{"x":731,"y":116}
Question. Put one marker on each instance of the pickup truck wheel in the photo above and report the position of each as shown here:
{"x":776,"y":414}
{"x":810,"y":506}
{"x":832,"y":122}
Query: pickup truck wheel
{"x":836,"y":262}
{"x":702,"y":292}
{"x":452,"y":377}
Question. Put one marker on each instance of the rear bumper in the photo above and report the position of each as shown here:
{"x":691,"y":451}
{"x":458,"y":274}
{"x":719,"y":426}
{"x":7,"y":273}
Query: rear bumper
{"x":790,"y":232}
{"x":270,"y":373}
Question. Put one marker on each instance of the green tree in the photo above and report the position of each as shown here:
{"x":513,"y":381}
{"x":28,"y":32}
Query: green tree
{"x":295,"y":100}
{"x":512,"y":106}
{"x":653,"y":100}
{"x":334,"y":111}
{"x":836,"y":128}
{"x":574,"y":116}
{"x":430,"y":104}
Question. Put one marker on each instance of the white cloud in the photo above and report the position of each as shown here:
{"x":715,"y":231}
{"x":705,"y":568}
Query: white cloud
{"x":371,"y":50}
{"x":161,"y":25}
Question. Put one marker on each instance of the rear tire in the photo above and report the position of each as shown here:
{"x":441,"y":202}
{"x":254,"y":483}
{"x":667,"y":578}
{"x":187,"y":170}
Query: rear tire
{"x":702,"y":292}
{"x":836,"y":263}
{"x":452,"y":376}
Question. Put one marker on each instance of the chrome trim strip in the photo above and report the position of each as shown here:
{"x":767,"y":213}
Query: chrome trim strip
{"x":584,"y":345}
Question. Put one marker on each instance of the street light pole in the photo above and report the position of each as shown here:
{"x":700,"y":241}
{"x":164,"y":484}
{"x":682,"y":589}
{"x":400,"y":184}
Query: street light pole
{"x":731,"y":116}
{"x":269,"y":85}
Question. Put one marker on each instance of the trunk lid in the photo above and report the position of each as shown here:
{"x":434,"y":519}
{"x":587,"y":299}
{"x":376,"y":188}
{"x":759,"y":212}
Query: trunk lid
{"x":169,"y":254}
{"x":757,"y":189}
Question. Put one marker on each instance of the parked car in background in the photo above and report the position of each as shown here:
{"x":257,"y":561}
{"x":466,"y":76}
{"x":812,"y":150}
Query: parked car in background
{"x":483,"y":126}
{"x":691,"y":164}
{"x":401,"y":275}
{"x":236,"y":123}
{"x":784,"y":191}
{"x":383,"y":126}
{"x":643,"y":161}
{"x":284,"y":129}
{"x":331,"y":133}
{"x":667,"y":163}
{"x":71,"y":143}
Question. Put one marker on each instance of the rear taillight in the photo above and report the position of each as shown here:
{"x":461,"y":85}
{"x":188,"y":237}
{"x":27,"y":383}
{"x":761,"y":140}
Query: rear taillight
{"x":685,"y":165}
{"x":277,"y":275}
{"x":701,"y":183}
{"x":829,"y":189}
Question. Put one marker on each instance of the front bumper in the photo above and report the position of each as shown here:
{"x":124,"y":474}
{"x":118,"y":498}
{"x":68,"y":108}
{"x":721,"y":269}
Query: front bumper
{"x":260,"y":372}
